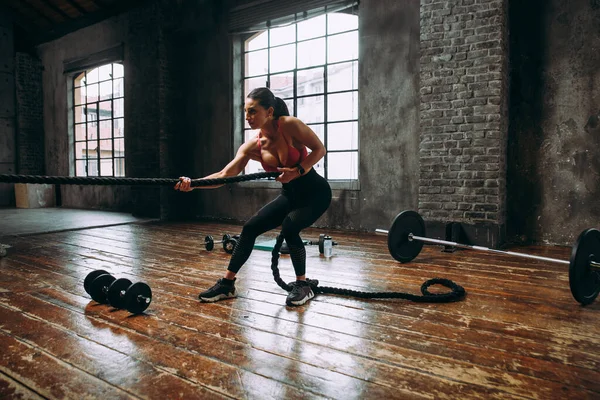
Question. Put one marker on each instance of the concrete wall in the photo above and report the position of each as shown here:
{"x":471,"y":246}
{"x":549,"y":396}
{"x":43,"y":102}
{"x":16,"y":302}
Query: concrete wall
{"x":554,"y":174}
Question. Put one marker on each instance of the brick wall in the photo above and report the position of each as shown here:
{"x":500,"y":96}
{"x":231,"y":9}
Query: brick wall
{"x":30,"y":124}
{"x":463,"y":113}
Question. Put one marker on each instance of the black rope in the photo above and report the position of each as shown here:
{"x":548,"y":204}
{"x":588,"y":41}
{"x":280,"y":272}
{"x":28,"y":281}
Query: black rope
{"x":457,"y":292}
{"x":96,"y":180}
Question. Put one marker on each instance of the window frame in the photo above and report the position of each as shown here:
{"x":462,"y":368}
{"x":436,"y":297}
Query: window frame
{"x":238,"y":62}
{"x":97,"y":121}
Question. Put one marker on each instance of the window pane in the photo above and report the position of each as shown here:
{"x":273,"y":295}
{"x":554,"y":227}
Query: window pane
{"x":92,"y":76}
{"x":79,"y":114}
{"x":79,"y":80}
{"x":260,"y":41}
{"x":310,"y":81}
{"x":106,"y":90}
{"x":106,"y":129}
{"x":339,"y":22}
{"x":79,"y":96}
{"x":118,"y":88}
{"x":282,"y":85}
{"x":319,"y":130}
{"x":342,"y":47}
{"x":105,"y":109}
{"x":119,"y":127}
{"x":290,"y":105}
{"x":92,"y":93}
{"x":257,"y":63}
{"x":106,"y":167}
{"x":118,"y":106}
{"x":105,"y":72}
{"x":342,"y":136}
{"x":342,"y":165}
{"x":342,"y":106}
{"x":253,"y":83}
{"x":311,"y":28}
{"x":80,"y":167}
{"x":106,"y":148}
{"x":311,"y":110}
{"x":80,"y":150}
{"x":92,"y":147}
{"x":119,"y":148}
{"x":92,"y":130}
{"x":92,"y":167}
{"x":80,"y":132}
{"x":117,"y":71}
{"x":283,"y":58}
{"x":119,"y":167}
{"x":286,"y":34}
{"x":311,"y":53}
{"x":342,"y":76}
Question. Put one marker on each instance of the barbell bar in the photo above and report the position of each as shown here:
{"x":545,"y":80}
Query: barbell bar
{"x":407,"y":236}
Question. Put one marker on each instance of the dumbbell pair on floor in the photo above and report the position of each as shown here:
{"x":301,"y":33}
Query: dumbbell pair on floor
{"x":119,"y":293}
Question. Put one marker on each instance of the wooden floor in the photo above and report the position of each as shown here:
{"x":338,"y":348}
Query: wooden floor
{"x":519,"y":334}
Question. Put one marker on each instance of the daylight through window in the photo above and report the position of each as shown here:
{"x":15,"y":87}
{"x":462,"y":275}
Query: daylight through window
{"x":313,"y":66}
{"x":99,"y":121}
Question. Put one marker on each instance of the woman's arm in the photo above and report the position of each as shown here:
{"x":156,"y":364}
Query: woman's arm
{"x":245,"y":153}
{"x":301,"y":133}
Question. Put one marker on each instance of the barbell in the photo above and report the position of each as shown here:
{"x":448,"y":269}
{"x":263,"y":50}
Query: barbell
{"x":407,"y":236}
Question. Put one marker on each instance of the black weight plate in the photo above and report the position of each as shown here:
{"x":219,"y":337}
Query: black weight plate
{"x":90,"y":278}
{"x":133,"y":303}
{"x":226,"y":236}
{"x":97,"y":287}
{"x":584,"y":280}
{"x":209,"y":243}
{"x":113,"y":295}
{"x":229,"y":245}
{"x":321,"y":243}
{"x":400,"y":247}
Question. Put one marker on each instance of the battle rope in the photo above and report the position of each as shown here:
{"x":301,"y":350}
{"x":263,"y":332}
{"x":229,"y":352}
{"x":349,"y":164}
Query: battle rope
{"x":94,"y":180}
{"x":457,"y":292}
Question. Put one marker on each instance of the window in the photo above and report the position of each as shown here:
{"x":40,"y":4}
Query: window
{"x":313,"y":66}
{"x":98,"y":120}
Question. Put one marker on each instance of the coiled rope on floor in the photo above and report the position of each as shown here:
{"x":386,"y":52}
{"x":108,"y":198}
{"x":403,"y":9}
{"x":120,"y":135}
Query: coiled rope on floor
{"x":105,"y":180}
{"x":457,"y":292}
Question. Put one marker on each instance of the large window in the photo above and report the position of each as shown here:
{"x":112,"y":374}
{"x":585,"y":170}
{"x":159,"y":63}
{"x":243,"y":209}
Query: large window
{"x":99,"y":121}
{"x":313,"y":66}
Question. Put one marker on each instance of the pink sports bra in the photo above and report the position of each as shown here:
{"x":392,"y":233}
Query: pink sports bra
{"x":294,"y":155}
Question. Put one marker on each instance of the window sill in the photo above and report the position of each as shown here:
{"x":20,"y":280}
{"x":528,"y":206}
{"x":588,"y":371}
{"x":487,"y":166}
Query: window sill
{"x":271,"y":184}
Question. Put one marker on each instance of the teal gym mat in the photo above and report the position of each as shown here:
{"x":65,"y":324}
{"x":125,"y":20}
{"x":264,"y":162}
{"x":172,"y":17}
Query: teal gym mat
{"x":269,"y":244}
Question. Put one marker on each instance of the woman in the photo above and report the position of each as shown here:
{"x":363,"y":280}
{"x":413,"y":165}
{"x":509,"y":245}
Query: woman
{"x":281,"y":145}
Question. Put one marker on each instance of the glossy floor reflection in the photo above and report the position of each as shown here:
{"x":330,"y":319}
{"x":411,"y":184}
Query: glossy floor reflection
{"x":518,"y":334}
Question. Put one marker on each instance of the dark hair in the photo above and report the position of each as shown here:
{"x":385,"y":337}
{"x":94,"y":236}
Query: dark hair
{"x":267,"y":99}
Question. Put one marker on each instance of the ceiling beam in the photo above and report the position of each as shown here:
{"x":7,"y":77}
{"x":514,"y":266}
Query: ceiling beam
{"x":29,"y":6}
{"x":57,"y":10}
{"x":65,"y":28}
{"x":76,"y":6}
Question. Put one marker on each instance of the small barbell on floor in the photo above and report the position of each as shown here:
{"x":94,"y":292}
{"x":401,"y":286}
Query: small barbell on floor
{"x":229,"y":242}
{"x":119,"y":293}
{"x":407,"y":236}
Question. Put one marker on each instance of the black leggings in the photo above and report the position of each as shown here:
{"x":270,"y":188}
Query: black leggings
{"x":300,"y":204}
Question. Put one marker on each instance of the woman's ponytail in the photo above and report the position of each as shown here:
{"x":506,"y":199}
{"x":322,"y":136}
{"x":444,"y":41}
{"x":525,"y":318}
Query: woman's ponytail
{"x":280,"y":108}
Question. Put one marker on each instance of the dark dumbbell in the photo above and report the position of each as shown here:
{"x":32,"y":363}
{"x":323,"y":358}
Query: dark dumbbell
{"x":133,"y":297}
{"x":119,"y":293}
{"x":229,"y":242}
